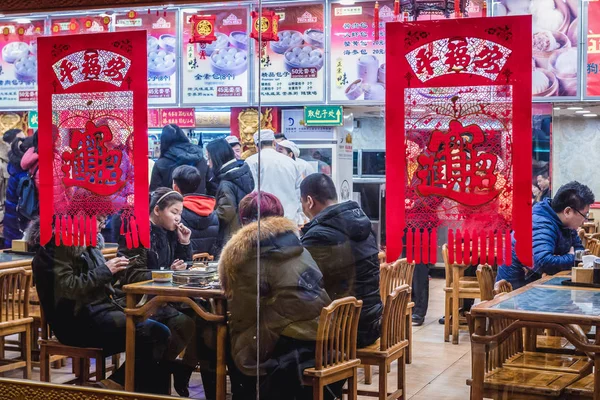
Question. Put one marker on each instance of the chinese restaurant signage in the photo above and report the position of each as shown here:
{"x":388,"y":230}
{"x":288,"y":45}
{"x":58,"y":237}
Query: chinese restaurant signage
{"x":217,"y":73}
{"x":593,"y":52}
{"x":459,"y":107}
{"x":323,"y":116}
{"x":75,"y":25}
{"x":93,"y":107}
{"x":554,"y":43}
{"x":18,"y":63}
{"x":358,"y":60}
{"x":292,"y":68}
{"x":163,"y":48}
{"x":184,"y":117}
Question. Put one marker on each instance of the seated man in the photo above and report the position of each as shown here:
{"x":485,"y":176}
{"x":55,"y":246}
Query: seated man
{"x":341,"y":240}
{"x":74,"y":287}
{"x":555,"y":239}
{"x":198,"y":210}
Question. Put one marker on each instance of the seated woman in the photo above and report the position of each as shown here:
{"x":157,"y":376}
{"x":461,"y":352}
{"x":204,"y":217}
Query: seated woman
{"x":291,"y":300}
{"x":170,"y":249}
{"x":74,"y":287}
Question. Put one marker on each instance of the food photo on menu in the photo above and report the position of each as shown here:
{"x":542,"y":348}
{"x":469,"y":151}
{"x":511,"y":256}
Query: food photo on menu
{"x":555,"y":55}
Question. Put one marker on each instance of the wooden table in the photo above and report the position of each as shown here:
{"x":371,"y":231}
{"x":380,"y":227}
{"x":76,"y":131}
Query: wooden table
{"x":542,"y":304}
{"x":11,"y":260}
{"x":172,"y":293}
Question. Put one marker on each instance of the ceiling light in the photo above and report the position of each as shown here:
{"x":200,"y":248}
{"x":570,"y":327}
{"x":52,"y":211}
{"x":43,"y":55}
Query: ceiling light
{"x":581,"y":112}
{"x":557,"y":108}
{"x":590,"y":115}
{"x":347,"y":2}
{"x":22,"y":21}
{"x":575,"y":108}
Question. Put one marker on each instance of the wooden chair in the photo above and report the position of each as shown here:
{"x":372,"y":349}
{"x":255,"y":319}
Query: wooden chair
{"x":335,"y":355}
{"x":51,"y":349}
{"x":382,"y":257}
{"x":458,"y":287}
{"x":581,"y":389}
{"x":202,"y":257}
{"x":15,"y":284}
{"x":391,"y":346}
{"x":488,"y":288}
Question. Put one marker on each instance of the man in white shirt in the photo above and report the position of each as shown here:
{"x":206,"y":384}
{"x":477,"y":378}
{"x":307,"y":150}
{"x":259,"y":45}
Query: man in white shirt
{"x":290,"y":149}
{"x":279,"y":174}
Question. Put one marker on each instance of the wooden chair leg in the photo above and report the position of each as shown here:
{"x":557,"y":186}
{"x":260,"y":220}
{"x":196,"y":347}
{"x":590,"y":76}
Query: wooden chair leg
{"x":44,"y":365}
{"x":84,"y":367}
{"x":58,"y":364}
{"x":353,"y":385}
{"x":2,"y":355}
{"x":455,"y":319}
{"x":383,"y":381}
{"x":317,"y":390}
{"x":409,"y":336}
{"x":402,"y":378}
{"x":26,"y":343}
{"x":116,"y":360}
{"x":100,"y":368}
{"x":368,"y":375}
{"x":447,"y":308}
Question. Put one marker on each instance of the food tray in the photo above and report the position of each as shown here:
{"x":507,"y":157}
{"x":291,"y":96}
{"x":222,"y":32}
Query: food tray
{"x":199,"y":277}
{"x":569,"y":282}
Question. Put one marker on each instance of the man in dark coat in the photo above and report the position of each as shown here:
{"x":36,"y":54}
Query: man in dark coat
{"x":175,"y":150}
{"x":555,"y":238}
{"x":341,"y":240}
{"x":198,"y":210}
{"x":14,"y":223}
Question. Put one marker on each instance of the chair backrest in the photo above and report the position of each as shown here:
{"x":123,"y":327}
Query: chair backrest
{"x":485,"y":277}
{"x":382,"y":257}
{"x":393,"y":322}
{"x":15,"y":284}
{"x":581,"y":233}
{"x":447,"y":267}
{"x":394,"y":275}
{"x":337,"y":332}
{"x":594,"y":247}
{"x":202,"y":257}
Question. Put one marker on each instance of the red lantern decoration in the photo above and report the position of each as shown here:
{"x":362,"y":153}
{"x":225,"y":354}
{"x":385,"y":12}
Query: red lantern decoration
{"x":106,"y":20}
{"x":87,"y":23}
{"x":203,"y":31}
{"x":484,"y":9}
{"x":131,"y":14}
{"x":265,"y":30}
{"x":396,"y":9}
{"x":20,"y":31}
{"x":55,"y":28}
{"x":376,"y":21}
{"x":457,"y":13}
{"x":73,"y":25}
{"x":6,"y":32}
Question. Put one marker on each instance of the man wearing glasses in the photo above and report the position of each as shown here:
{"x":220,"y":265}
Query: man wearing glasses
{"x":555,"y":224}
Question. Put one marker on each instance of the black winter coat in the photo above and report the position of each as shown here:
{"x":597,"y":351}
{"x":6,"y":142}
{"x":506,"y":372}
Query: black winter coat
{"x":179,"y":151}
{"x":342,"y":242}
{"x":199,"y":215}
{"x":235,"y":182}
{"x":73,"y":284}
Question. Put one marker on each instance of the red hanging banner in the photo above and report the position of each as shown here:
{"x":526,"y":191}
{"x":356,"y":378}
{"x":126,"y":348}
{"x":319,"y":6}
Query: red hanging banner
{"x":92,"y":111}
{"x":459,"y":107}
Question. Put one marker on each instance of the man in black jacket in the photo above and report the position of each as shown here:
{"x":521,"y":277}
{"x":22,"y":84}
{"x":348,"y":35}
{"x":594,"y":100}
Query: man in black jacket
{"x":198,"y":210}
{"x":341,"y":240}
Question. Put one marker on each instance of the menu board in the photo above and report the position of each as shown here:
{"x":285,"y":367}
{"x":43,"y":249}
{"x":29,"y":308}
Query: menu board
{"x":219,"y":74}
{"x":293,"y":68}
{"x":357,"y":60}
{"x":81,"y":24}
{"x":18,"y":63}
{"x":162,"y":52}
{"x":593,"y":53}
{"x":555,"y":56}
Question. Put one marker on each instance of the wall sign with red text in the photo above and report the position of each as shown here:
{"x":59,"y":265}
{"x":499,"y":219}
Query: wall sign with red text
{"x":593,"y":50}
{"x":293,"y":68}
{"x":19,"y":63}
{"x":163,"y":51}
{"x":217,"y":73}
{"x":184,"y":117}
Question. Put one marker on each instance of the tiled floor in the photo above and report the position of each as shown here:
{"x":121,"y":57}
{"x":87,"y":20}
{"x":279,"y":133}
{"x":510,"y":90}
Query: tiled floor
{"x":439,"y":370}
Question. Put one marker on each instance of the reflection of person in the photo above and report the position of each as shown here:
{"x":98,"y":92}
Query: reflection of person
{"x":535,"y":191}
{"x":290,"y":149}
{"x":555,"y":238}
{"x":279,"y":174}
{"x":341,"y":240}
{"x":235,"y":181}
{"x":236,"y":146}
{"x":543,"y":182}
{"x":291,"y":299}
{"x":74,"y":287}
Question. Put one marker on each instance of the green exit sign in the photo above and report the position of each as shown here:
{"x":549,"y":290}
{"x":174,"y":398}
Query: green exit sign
{"x":32,"y":119}
{"x":323,"y":116}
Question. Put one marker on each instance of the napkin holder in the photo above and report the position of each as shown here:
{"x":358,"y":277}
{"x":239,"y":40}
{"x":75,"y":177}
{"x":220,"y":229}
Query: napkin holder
{"x":582,"y":275}
{"x":19,"y":245}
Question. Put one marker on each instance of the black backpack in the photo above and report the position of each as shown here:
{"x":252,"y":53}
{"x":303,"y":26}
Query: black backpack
{"x":28,"y":204}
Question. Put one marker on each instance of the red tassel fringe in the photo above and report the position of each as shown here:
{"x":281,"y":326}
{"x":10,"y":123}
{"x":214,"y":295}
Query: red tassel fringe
{"x":82,"y":231}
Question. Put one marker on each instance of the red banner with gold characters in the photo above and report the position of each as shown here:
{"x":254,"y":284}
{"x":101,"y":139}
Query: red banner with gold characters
{"x":459,"y":108}
{"x":93,"y":136}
